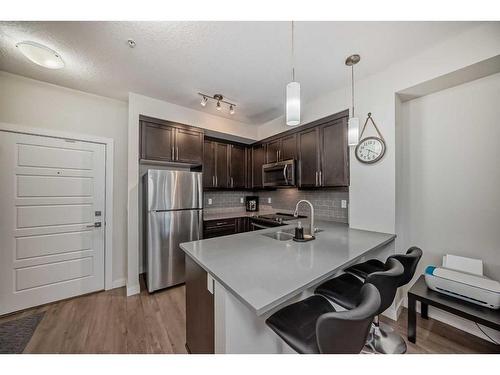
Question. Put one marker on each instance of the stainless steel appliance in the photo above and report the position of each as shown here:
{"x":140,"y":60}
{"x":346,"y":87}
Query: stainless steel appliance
{"x":252,"y":203}
{"x":174,"y":202}
{"x":271,"y":220}
{"x":279,"y":174}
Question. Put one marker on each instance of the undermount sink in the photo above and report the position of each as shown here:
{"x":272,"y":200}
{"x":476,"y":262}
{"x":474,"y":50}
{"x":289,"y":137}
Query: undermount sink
{"x":279,"y":236}
{"x":285,"y":235}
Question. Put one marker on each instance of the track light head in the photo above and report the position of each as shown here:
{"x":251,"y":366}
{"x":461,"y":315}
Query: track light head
{"x":204,"y":101}
{"x":218,"y":107}
{"x":231,"y":110}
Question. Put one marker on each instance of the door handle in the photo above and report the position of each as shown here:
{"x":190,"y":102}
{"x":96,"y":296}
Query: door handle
{"x":95,"y":225}
{"x":316,"y":178}
{"x":320,"y":179}
{"x":284,"y":174}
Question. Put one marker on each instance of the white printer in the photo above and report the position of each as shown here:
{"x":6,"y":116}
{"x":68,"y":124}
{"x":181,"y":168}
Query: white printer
{"x":463,"y":278}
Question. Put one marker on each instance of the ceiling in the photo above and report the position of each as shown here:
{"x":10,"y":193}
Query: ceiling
{"x":248,"y":62}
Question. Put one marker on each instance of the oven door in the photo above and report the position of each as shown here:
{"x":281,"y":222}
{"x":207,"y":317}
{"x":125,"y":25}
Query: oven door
{"x":279,"y":174}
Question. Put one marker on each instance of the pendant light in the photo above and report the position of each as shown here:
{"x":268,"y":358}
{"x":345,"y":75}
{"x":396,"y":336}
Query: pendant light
{"x":353,"y":125}
{"x":293,"y":94}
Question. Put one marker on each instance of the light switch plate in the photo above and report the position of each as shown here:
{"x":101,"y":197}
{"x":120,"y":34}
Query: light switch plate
{"x":343,"y":203}
{"x":269,"y":200}
{"x":241,"y":200}
{"x":209,"y":200}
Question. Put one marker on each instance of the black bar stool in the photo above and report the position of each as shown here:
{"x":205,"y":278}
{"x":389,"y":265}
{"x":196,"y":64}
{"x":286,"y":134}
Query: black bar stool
{"x":312,"y":326}
{"x":344,"y":290}
{"x":387,"y":340}
{"x":409,"y":261}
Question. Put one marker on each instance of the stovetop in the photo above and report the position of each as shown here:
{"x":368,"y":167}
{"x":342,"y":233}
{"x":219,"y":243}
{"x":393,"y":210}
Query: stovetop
{"x":278,"y":217}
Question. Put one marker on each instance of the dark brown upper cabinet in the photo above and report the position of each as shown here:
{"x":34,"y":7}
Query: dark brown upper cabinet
{"x":334,"y":154}
{"x":188,"y":146}
{"x":221,"y":165}
{"x":209,"y":164}
{"x":167,"y":141}
{"x":288,"y":148}
{"x":309,"y":164}
{"x":272,"y":151}
{"x":237,"y":167}
{"x":324,"y":155}
{"x":224,"y":165}
{"x":282,"y":149}
{"x":258,"y":160}
{"x":157,"y":142}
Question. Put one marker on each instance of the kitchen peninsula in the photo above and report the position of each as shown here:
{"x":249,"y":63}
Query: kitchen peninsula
{"x":233,"y":283}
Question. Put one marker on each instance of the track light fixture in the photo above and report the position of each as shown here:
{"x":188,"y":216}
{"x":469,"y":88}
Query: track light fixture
{"x":218,"y":98}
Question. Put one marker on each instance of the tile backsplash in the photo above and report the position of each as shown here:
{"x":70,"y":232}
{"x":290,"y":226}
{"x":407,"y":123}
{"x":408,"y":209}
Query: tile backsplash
{"x":327,"y":203}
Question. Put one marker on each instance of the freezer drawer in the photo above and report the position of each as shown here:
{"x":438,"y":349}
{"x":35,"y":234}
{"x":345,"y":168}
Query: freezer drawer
{"x":165,"y":260}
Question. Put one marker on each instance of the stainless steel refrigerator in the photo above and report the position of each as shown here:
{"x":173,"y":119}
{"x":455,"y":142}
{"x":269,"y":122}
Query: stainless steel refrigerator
{"x":174,"y":203}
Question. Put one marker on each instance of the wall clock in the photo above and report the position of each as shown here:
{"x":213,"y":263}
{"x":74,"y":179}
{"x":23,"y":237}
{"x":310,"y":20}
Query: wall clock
{"x":370,"y":149}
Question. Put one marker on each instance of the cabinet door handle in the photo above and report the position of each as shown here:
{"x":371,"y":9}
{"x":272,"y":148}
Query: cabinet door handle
{"x":177,"y":153}
{"x":320,"y":179}
{"x":316,"y":178}
{"x":213,"y":180}
{"x":216,"y":181}
{"x":173,"y":155}
{"x":232,"y":182}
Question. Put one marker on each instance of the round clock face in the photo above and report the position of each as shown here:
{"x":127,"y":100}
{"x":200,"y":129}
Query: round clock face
{"x":370,"y":150}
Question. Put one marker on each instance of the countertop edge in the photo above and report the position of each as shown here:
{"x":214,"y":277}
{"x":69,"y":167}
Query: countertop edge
{"x":263,"y":310}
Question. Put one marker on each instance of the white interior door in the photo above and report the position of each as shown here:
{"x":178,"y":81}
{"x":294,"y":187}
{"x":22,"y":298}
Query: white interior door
{"x":52,"y":191}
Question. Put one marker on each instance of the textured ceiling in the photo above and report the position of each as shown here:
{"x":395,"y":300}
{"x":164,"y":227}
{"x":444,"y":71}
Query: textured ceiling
{"x":248,"y":62}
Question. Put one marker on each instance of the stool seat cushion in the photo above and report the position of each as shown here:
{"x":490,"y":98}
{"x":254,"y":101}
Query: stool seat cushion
{"x":344,"y":290}
{"x":296,"y":323}
{"x":364,"y":269}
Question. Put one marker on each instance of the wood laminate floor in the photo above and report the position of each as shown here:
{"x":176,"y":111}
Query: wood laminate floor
{"x":109,"y":322}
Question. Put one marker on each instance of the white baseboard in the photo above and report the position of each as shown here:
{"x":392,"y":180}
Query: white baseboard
{"x":133,"y":289}
{"x":119,"y":283}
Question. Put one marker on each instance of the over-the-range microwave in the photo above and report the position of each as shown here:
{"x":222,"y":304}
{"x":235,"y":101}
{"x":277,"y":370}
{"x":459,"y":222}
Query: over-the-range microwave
{"x":280,"y":174}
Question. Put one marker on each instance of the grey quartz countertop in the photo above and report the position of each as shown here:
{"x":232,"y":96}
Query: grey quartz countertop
{"x":263,"y":272}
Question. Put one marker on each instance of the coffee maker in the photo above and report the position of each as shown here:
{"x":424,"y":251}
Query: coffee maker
{"x":252,"y":203}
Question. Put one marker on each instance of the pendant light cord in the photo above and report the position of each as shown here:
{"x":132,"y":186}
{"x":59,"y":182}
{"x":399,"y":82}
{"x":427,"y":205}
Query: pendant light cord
{"x":352,"y":88}
{"x":293,"y":54}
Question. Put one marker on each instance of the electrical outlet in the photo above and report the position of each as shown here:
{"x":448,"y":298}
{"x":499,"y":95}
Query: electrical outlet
{"x":209,"y":200}
{"x":241,"y":200}
{"x":269,"y":200}
{"x":343,"y":203}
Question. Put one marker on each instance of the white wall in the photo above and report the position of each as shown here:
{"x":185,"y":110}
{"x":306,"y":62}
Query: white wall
{"x":372,"y":190}
{"x":34,"y":103}
{"x":449,"y":176}
{"x":143,"y":105}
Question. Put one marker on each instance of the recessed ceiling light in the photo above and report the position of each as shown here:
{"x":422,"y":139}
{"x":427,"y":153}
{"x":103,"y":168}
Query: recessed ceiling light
{"x":131,"y":43}
{"x":41,"y":55}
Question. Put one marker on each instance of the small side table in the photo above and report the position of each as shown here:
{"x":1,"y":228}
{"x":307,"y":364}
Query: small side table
{"x":420,"y":292}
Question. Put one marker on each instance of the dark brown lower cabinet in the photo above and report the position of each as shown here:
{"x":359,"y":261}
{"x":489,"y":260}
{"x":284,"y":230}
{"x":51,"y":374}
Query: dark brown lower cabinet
{"x":218,"y":228}
{"x":200,"y":335}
